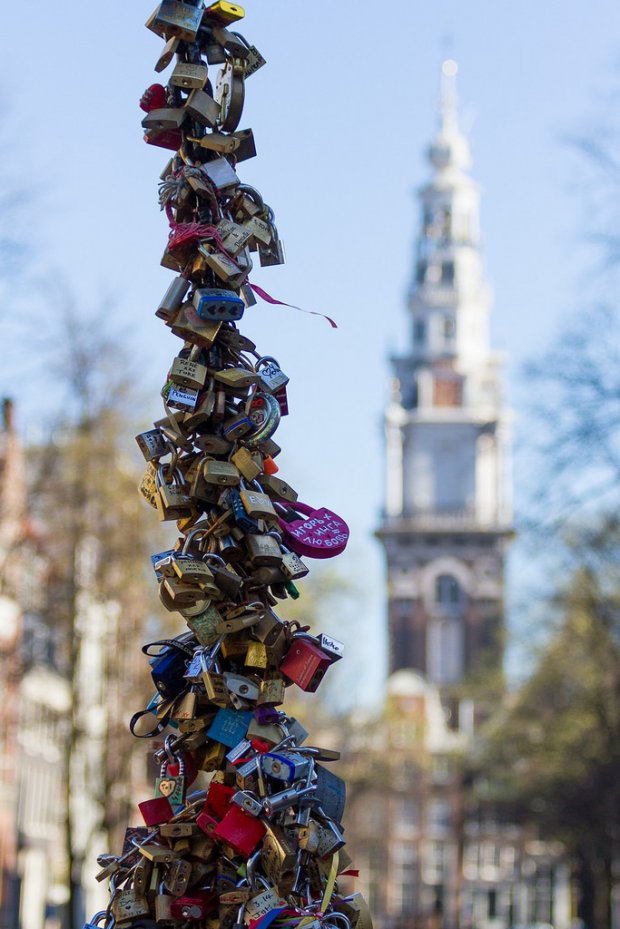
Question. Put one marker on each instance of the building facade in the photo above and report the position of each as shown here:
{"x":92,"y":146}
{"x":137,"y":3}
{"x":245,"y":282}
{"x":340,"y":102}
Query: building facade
{"x":436,"y":850}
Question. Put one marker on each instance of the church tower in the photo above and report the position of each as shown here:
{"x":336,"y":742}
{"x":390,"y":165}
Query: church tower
{"x":447,"y":515}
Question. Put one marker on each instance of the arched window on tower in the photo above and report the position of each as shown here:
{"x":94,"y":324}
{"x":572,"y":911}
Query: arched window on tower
{"x":448,"y":592}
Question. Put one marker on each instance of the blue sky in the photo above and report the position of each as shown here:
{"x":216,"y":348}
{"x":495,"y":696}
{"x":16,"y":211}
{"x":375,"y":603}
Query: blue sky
{"x":341,"y":116}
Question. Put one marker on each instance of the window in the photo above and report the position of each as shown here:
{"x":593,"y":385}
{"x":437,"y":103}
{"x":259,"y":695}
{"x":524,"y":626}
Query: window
{"x":419,"y":331}
{"x":439,"y":815}
{"x":420,"y":274}
{"x":447,"y":273}
{"x":447,"y":590}
{"x":449,"y":328}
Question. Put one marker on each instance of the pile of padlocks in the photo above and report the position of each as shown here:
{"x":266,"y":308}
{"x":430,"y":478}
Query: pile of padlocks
{"x":262,"y":844}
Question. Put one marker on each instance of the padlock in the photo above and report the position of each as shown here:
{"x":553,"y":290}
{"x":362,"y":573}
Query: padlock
{"x":279,"y":856}
{"x":163,"y":902}
{"x":355,"y":908}
{"x":236,"y":378}
{"x":271,"y":692}
{"x":263,"y":550}
{"x":186,"y":706}
{"x":285,"y":766}
{"x":218,"y":304}
{"x":318,"y":533}
{"x":204,"y":625}
{"x":188,"y":325}
{"x":164,"y":120}
{"x":203,"y":108}
{"x":128,"y":904}
{"x":305,"y":664}
{"x":215,"y":688}
{"x":148,"y":485}
{"x":178,"y":877}
{"x":292,"y":565}
{"x":257,"y":504}
{"x":174,"y":18}
{"x":194,"y":907}
{"x":188,"y":373}
{"x":171,"y":786}
{"x":230,"y":726}
{"x":240,"y":830}
{"x":183,"y":398}
{"x":265,"y":414}
{"x":189,"y":76}
{"x":270,"y":376}
{"x":248,"y":802}
{"x":230,"y":93}
{"x":260,"y":231}
{"x":237,"y":426}
{"x":234,"y":236}
{"x":173,"y":299}
{"x":222,"y":473}
{"x":241,"y":686}
{"x":153,"y":444}
{"x":156,"y":811}
{"x":175,"y":594}
{"x":222,"y":174}
{"x":170,"y":50}
{"x":248,"y":464}
{"x":331,"y":793}
{"x":224,"y":13}
{"x":264,"y":902}
{"x":242,"y":618}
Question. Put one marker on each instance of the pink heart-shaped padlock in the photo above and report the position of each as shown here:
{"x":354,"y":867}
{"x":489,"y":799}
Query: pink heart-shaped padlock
{"x":321,"y":534}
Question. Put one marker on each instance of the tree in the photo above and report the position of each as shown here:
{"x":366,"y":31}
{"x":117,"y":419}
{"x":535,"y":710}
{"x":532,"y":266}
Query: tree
{"x":556,"y":751}
{"x":98,"y":595}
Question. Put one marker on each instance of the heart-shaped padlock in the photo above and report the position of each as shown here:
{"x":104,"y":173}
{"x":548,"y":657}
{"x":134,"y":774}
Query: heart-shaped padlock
{"x":321,"y":534}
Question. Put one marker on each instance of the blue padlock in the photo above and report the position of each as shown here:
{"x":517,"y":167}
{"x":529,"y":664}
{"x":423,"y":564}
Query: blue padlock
{"x":230,"y":726}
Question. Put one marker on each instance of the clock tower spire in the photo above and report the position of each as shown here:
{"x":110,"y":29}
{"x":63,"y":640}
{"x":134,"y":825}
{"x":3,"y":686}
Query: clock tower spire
{"x":447,"y":512}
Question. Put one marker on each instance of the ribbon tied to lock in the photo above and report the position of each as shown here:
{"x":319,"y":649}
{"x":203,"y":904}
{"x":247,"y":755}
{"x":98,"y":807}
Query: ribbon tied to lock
{"x":318,"y":533}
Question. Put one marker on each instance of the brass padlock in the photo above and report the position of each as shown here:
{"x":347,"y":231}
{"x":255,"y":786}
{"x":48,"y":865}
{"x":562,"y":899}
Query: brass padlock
{"x":180,"y":594}
{"x":271,"y":692}
{"x":172,"y":500}
{"x":189,"y":76}
{"x":222,"y":473}
{"x":248,"y":464}
{"x":203,"y":108}
{"x":234,"y":378}
{"x":188,"y":325}
{"x":277,"y":488}
{"x":128,"y":904}
{"x":263,"y":550}
{"x":256,"y":655}
{"x":164,"y":119}
{"x":148,"y":485}
{"x":188,"y":373}
{"x":257,"y":504}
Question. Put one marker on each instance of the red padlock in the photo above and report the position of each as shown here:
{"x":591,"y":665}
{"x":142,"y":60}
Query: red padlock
{"x":207,"y":822}
{"x":240,"y":830}
{"x":156,"y":811}
{"x":153,"y":98}
{"x":305,"y":664}
{"x":219,"y":799}
{"x":196,"y":907}
{"x":171,"y":138}
{"x":321,"y":534}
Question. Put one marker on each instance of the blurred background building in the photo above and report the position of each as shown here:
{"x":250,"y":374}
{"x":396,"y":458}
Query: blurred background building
{"x":435,"y":847}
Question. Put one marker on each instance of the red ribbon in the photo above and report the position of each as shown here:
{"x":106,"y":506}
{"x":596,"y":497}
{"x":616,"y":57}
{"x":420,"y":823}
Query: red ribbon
{"x":269,"y":299}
